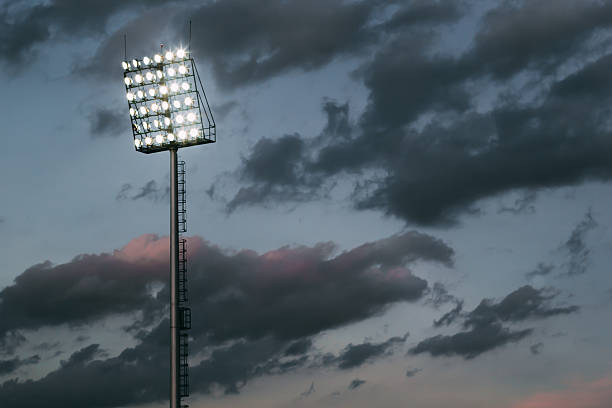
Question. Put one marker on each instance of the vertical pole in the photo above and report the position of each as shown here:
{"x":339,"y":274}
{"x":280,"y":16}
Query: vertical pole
{"x":174,"y":252}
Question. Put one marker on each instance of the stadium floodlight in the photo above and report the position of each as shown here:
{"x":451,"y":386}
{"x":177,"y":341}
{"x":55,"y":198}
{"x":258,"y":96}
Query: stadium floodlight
{"x":169,"y":80}
{"x":169,"y":110}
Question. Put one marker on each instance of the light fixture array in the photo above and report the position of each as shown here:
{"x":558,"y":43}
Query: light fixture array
{"x":164,"y":95}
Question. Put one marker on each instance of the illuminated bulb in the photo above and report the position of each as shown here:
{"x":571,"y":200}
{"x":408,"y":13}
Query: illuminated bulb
{"x":179,"y":119}
{"x":169,"y":55}
{"x":146,"y":126}
{"x":154,"y":107}
{"x":180,"y":53}
{"x":193,"y":133}
{"x":157,"y":58}
{"x":174,"y":87}
{"x":140,"y":94}
{"x":138,"y":78}
{"x":171,"y":72}
{"x":167,"y":121}
{"x":146,"y":60}
{"x":133,"y":111}
{"x":149,"y":75}
{"x":182,"y":135}
{"x":170,"y":137}
{"x":185,"y":86}
{"x":191,"y":116}
{"x":125,"y":65}
{"x":182,"y":70}
{"x":156,"y":123}
{"x":130,"y":96}
{"x":127,"y":80}
{"x":143,"y":110}
{"x":163,"y":89}
{"x":137,"y":143}
{"x":148,"y":140}
{"x":159,"y":139}
{"x":134,"y":63}
{"x":188,"y":101}
{"x":176,"y":104}
{"x":159,"y":74}
{"x":152,"y":91}
{"x":165,"y":105}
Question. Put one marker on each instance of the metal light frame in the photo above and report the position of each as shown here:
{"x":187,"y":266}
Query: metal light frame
{"x":156,"y":90}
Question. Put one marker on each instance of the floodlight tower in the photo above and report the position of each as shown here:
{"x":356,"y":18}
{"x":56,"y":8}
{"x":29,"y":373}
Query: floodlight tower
{"x":169,"y":110}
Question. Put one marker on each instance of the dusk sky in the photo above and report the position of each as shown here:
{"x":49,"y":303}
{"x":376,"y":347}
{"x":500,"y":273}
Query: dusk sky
{"x":409,"y":204}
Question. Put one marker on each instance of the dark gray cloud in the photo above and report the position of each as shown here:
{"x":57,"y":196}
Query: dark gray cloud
{"x":24,"y":29}
{"x":356,"y":355}
{"x":576,"y":247}
{"x":440,"y":295}
{"x":411,"y":372}
{"x":450,"y":316}
{"x":472,"y":343}
{"x":281,"y":35}
{"x":149,"y":191}
{"x":522,"y":205}
{"x":485,"y":323}
{"x":10,"y":366}
{"x":356,"y":383}
{"x":432,"y":174}
{"x":105,"y":122}
{"x":536,"y":348}
{"x":541,"y":269}
{"x":260,"y":311}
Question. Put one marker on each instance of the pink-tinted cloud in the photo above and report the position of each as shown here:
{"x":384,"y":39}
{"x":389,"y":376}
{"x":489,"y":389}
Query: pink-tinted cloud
{"x":596,"y":394}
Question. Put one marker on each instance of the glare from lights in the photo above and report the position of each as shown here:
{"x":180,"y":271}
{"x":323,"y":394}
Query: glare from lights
{"x":182,"y":135}
{"x":179,"y":119}
{"x":156,"y":123}
{"x":171,"y":71}
{"x":137,"y":143}
{"x":185,"y":86}
{"x":180,"y":53}
{"x":133,"y":111}
{"x":130,"y":96}
{"x":157,"y":58}
{"x":193,"y":133}
{"x":134,"y":63}
{"x":125,"y":65}
{"x":167,"y":121}
{"x":188,"y":101}
{"x":138,"y":78}
{"x":170,"y":137}
{"x":152,"y":91}
{"x":149,"y":75}
{"x":140,"y":94}
{"x":191,"y":117}
{"x":127,"y":80}
{"x":146,"y":126}
{"x":176,"y":104}
{"x":163,"y":89}
{"x":182,"y":70}
{"x":165,"y":105}
{"x":154,"y":107}
{"x":159,"y":139}
{"x":143,"y":110}
{"x":169,"y":56}
{"x":148,"y":140}
{"x":146,"y":60}
{"x":174,"y":87}
{"x":159,"y":74}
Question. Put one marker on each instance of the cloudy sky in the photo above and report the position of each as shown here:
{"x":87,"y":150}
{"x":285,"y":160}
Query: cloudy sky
{"x":408,"y":205}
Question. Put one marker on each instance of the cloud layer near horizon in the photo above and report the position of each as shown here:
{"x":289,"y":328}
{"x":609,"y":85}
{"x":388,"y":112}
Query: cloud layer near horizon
{"x":254,"y":314}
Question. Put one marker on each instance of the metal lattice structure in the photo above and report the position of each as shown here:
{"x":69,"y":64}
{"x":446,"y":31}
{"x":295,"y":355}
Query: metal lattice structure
{"x":167,"y":103}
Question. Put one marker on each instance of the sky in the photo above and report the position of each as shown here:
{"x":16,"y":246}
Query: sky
{"x":407,"y":205}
